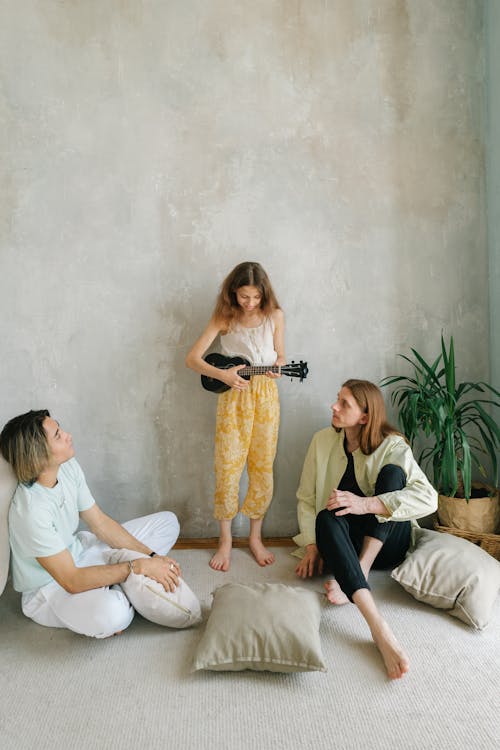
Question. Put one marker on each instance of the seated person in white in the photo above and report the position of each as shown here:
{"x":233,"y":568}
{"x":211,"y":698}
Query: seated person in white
{"x":64,"y":575}
{"x":359,"y":495}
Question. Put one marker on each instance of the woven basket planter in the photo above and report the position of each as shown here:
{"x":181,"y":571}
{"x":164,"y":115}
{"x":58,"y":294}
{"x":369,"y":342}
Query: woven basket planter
{"x":479,"y":515}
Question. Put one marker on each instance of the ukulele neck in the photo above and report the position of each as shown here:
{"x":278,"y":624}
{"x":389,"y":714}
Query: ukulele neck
{"x":259,"y":370}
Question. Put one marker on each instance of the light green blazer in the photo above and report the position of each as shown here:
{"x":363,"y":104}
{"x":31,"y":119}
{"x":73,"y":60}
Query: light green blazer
{"x":325,"y":464}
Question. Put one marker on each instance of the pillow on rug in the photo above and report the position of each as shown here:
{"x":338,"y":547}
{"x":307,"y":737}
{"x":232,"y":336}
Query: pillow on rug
{"x":263,"y":626}
{"x":451,"y":573}
{"x":8,"y":484}
{"x":177,"y":609}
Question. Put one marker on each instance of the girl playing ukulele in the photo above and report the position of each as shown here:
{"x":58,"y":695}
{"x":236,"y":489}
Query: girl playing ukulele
{"x":251,"y":325}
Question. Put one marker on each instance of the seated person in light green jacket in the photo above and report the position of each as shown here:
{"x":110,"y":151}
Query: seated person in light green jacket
{"x":360,"y":494}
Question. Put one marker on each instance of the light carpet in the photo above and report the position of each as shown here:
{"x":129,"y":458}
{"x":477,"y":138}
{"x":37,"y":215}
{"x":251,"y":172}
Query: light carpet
{"x":60,"y":690}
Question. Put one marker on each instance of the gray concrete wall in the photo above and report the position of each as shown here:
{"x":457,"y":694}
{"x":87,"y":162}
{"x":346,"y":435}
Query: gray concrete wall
{"x":492,"y":28}
{"x":150,"y":146}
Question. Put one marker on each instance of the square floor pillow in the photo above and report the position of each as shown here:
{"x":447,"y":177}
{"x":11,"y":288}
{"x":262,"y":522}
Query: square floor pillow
{"x":263,"y":626}
{"x":453,"y":574}
{"x":8,"y":484}
{"x":177,"y":609}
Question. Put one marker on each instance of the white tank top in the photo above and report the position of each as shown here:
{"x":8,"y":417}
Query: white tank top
{"x":254,"y":344}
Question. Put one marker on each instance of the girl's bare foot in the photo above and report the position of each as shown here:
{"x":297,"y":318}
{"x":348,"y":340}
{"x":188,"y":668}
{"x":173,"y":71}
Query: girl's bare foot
{"x":222,"y":558}
{"x":334,"y":593}
{"x":395,"y":660}
{"x":262,"y":555}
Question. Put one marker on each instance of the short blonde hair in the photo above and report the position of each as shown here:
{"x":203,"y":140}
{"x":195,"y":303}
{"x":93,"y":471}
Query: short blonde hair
{"x":23,"y":443}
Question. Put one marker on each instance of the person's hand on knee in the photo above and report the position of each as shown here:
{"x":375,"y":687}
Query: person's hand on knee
{"x":160,"y":568}
{"x":344,"y":503}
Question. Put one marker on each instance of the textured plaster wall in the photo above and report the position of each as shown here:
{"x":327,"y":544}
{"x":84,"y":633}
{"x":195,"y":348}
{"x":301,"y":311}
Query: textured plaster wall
{"x":492,"y":25}
{"x":150,"y":146}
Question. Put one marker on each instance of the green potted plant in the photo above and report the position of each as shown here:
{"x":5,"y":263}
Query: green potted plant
{"x":458,"y":432}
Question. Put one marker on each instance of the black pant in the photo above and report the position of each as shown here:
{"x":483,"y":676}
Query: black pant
{"x":340,"y":538}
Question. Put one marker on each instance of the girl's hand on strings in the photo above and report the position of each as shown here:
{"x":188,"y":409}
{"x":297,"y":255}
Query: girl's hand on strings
{"x":233,"y":380}
{"x":280,"y":361}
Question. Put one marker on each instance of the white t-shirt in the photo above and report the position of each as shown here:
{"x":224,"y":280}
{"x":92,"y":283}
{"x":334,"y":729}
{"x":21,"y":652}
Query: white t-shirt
{"x":43,"y":521}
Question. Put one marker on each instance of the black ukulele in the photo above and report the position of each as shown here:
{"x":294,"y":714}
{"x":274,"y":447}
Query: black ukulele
{"x":293,"y":370}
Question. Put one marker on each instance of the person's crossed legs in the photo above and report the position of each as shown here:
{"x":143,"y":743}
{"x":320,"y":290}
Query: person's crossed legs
{"x":350,"y":546}
{"x":105,"y":611}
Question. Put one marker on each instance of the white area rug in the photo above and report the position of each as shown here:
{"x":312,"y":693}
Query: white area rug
{"x":61,"y":690}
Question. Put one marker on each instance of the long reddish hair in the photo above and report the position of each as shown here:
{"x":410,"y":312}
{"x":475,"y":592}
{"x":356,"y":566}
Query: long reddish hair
{"x":248,"y":273}
{"x":369,"y":398}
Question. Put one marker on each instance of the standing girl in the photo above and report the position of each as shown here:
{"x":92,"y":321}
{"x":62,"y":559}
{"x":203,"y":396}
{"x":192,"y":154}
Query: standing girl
{"x":251,"y":325}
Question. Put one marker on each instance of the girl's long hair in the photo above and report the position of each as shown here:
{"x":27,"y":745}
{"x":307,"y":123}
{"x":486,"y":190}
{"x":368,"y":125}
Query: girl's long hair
{"x":369,"y":398}
{"x":248,"y":273}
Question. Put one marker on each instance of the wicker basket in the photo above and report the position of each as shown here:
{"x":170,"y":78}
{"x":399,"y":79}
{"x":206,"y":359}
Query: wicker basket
{"x":489,"y":542}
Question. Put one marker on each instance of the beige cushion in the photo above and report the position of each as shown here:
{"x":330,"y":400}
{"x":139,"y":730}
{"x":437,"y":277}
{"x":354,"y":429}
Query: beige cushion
{"x":264,"y":626}
{"x":176,"y":609}
{"x":452,"y":574}
{"x":8,"y":484}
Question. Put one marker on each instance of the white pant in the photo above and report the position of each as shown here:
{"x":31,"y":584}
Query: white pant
{"x":101,"y":612}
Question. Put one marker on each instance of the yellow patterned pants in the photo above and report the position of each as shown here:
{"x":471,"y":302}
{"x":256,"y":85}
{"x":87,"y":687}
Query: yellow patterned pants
{"x":246,"y":431}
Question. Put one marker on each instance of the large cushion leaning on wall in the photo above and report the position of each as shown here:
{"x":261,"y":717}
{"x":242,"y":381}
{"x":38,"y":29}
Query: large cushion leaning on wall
{"x":451,"y":574}
{"x":8,"y":484}
{"x":176,"y":609}
{"x":264,"y":626}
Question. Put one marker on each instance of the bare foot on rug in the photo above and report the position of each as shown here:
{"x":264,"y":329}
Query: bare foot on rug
{"x":334,"y":593}
{"x":395,"y":660}
{"x":262,"y":555}
{"x":222,"y":558}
